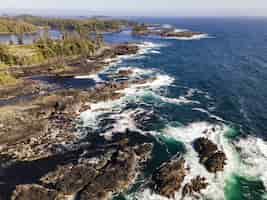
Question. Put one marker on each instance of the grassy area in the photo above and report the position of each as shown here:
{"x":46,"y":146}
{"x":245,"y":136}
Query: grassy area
{"x":3,"y":65}
{"x":6,"y":79}
{"x":26,"y":54}
{"x":11,"y":25}
{"x":19,"y":55}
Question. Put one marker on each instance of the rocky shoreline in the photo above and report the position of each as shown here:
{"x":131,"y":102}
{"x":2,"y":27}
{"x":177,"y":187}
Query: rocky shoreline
{"x":44,"y":157}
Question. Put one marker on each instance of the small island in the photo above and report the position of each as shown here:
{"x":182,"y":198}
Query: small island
{"x":162,"y":31}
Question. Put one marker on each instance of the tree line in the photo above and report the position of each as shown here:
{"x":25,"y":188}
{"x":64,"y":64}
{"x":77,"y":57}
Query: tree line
{"x":72,"y":43}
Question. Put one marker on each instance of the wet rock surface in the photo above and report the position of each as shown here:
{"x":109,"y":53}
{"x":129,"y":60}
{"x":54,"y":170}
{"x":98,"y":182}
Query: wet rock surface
{"x":33,"y":192}
{"x":213,"y":159}
{"x":194,"y":187}
{"x":92,"y":171}
{"x":43,"y":157}
{"x":169,"y":177}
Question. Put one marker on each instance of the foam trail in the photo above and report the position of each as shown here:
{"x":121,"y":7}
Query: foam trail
{"x":180,"y":30}
{"x":195,"y":37}
{"x":137,"y":72}
{"x":94,"y":77}
{"x":209,"y":114}
{"x":178,"y":101}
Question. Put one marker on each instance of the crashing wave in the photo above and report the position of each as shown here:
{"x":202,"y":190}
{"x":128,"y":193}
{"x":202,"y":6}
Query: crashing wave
{"x":94,"y":77}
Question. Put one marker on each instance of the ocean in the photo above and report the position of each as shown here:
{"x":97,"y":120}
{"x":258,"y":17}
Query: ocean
{"x":215,"y":83}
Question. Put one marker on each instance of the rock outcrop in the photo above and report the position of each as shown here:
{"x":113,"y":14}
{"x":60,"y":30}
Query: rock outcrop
{"x":33,"y":192}
{"x":146,"y":29}
{"x":194,"y":187}
{"x":183,"y":34}
{"x":169,"y":177}
{"x":212,"y":158}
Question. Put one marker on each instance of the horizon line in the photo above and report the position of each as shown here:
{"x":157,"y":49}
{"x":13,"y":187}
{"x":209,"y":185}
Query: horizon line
{"x":21,"y":11}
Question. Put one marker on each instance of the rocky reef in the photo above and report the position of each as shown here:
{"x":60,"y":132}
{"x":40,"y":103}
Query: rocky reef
{"x":182,"y":34}
{"x":213,"y":159}
{"x":168,"y":32}
{"x":169,"y":177}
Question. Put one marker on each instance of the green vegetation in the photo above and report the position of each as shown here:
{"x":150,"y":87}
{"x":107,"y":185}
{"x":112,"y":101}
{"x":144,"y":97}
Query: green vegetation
{"x":89,"y":24}
{"x":16,"y":26}
{"x":7,"y":79}
{"x":76,"y":43}
{"x":71,"y":44}
{"x":19,"y":55}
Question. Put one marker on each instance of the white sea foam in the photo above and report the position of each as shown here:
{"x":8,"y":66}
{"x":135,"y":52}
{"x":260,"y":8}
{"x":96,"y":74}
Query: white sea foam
{"x":167,"y":26}
{"x":209,"y":114}
{"x":178,"y":101}
{"x":253,"y":153}
{"x":137,"y":89}
{"x":187,"y":134}
{"x":246,"y":157}
{"x":149,"y":47}
{"x":155,"y":52}
{"x":94,"y":77}
{"x":144,"y":49}
{"x":195,"y":37}
{"x":180,"y":30}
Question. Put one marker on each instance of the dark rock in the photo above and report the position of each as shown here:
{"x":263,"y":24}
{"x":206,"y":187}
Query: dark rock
{"x":187,"y":34}
{"x":195,"y":186}
{"x":71,"y":179}
{"x":210,"y":156}
{"x":33,"y":192}
{"x":169,"y":177}
{"x":205,"y":148}
{"x":125,"y":72}
{"x":125,"y":49}
{"x":117,"y":175}
{"x":216,"y":162}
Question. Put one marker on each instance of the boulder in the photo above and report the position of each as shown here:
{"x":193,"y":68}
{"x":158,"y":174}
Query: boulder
{"x":216,"y":162}
{"x":195,"y":186}
{"x":209,"y":155}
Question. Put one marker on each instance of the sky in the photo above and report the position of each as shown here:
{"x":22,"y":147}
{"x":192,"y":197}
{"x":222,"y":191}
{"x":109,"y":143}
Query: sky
{"x":145,"y":7}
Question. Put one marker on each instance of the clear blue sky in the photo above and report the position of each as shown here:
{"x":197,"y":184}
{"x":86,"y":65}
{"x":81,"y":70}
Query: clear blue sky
{"x":148,"y":7}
